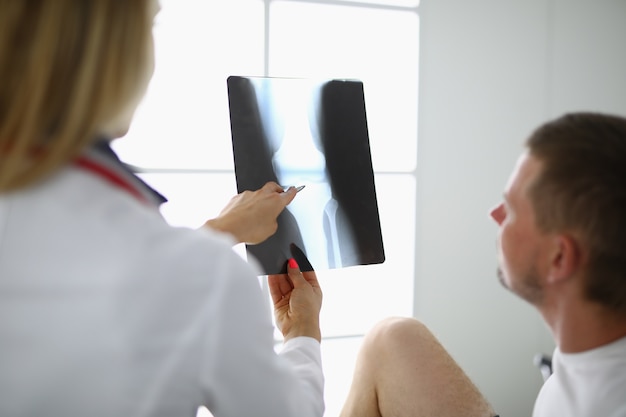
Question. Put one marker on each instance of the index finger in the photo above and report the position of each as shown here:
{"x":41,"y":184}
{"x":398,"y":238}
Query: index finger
{"x":273,"y":187}
{"x":286,"y":196}
{"x":289,"y":195}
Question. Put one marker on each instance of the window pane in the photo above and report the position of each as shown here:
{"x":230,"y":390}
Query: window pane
{"x":192,"y":198}
{"x":357,"y":297}
{"x":401,"y":3}
{"x":338,"y":359}
{"x":183,"y":121}
{"x":379,"y":47}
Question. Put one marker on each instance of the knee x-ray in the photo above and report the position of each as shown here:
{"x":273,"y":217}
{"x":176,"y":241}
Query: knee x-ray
{"x":313,"y":133}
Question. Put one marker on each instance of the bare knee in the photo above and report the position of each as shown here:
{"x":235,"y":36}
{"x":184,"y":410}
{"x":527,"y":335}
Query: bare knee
{"x":394,"y":333}
{"x":412,"y":374}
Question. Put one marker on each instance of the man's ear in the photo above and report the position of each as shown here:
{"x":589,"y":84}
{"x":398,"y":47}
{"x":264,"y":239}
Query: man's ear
{"x":565,"y":258}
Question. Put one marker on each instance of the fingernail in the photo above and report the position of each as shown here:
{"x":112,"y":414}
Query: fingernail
{"x":292,"y":263}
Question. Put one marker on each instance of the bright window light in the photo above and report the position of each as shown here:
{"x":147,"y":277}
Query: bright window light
{"x":180,"y":138}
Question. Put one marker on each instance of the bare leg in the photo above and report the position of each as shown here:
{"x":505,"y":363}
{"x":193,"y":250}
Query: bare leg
{"x":402,"y":370}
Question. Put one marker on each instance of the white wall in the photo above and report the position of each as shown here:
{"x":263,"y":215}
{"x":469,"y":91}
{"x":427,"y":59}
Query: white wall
{"x":490,"y":72}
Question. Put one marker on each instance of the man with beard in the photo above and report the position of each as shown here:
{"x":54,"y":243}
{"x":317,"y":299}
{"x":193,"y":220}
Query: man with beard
{"x":562,"y":248}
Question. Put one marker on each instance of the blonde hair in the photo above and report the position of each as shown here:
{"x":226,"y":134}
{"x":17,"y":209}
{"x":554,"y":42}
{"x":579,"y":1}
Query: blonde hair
{"x":67,"y":67}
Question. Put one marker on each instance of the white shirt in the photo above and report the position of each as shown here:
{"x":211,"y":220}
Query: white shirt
{"x":591,"y":383}
{"x":106,"y":310}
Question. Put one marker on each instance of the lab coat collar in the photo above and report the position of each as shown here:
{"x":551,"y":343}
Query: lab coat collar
{"x":102,"y":161}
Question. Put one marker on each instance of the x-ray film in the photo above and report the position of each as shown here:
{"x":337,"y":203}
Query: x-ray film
{"x":313,"y":133}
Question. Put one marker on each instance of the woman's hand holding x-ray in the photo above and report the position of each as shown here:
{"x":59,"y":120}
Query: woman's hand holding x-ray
{"x":297,"y":299}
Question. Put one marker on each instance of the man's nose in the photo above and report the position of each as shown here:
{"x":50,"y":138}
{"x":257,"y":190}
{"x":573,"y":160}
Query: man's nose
{"x":497,"y":213}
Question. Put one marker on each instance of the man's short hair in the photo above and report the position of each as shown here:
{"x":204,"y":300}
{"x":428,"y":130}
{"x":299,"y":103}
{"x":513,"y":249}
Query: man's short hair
{"x":581,"y":190}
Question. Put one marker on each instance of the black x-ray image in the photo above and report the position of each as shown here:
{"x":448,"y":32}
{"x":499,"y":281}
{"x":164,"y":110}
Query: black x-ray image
{"x":313,"y":133}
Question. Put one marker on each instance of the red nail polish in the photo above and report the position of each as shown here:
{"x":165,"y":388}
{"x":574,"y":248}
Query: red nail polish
{"x":293,"y":263}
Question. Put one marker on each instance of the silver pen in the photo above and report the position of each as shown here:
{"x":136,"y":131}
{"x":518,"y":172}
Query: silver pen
{"x":298,"y":189}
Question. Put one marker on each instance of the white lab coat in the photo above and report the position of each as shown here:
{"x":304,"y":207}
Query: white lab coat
{"x":106,"y":310}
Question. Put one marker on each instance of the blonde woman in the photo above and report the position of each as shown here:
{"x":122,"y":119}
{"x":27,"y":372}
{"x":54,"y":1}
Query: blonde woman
{"x":104,"y":308}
